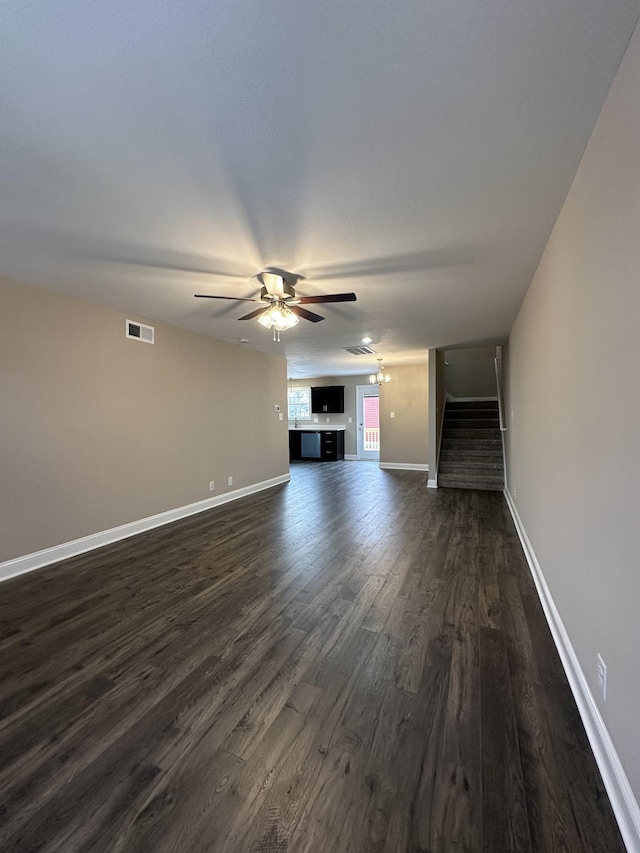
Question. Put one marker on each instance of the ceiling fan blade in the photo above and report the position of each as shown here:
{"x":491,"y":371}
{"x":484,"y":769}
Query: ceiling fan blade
{"x":255,"y":313}
{"x":234,"y":298}
{"x":306,"y":315}
{"x":335,"y":297}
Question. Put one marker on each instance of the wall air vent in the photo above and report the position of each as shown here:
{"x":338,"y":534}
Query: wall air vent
{"x":359,"y":350}
{"x":140,"y":332}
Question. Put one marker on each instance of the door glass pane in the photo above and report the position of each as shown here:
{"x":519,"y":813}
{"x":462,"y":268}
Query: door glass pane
{"x":371,"y":423}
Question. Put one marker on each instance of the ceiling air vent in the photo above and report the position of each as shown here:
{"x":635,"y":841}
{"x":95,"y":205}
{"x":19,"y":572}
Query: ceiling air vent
{"x":140,"y":332}
{"x":359,"y":350}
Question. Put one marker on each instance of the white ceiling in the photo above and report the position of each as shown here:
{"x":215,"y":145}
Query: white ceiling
{"x":416,"y":152}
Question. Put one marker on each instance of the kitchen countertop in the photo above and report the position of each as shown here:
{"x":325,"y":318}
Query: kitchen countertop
{"x":317,"y":428}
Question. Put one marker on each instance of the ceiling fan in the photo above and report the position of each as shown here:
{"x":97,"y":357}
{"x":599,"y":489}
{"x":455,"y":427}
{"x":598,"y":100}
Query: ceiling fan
{"x":282,"y":310}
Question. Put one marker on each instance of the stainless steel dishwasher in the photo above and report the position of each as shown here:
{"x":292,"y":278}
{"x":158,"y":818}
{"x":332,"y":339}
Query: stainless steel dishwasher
{"x":310,"y":445}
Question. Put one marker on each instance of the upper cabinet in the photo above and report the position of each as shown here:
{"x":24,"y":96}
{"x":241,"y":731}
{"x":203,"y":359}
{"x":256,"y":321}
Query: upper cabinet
{"x":327,"y":399}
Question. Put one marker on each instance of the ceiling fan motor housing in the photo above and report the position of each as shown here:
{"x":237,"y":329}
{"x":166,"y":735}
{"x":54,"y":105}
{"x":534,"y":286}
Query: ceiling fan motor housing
{"x":287,"y":293}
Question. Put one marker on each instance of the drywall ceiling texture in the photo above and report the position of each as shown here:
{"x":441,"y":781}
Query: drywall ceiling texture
{"x":573,"y":453}
{"x":97,"y":430}
{"x":415,"y":153}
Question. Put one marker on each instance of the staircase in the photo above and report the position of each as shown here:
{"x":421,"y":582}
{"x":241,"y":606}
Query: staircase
{"x":471,"y":446}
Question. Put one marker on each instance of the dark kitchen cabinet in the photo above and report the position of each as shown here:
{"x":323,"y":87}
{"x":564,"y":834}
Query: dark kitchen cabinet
{"x":295,"y":452}
{"x":327,"y":398}
{"x":331,"y":445}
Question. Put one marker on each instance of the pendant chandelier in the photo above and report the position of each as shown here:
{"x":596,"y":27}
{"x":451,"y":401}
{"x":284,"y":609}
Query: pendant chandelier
{"x":379,"y":378}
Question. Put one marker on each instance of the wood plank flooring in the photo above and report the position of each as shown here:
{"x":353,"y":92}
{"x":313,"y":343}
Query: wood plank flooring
{"x":349,"y":662}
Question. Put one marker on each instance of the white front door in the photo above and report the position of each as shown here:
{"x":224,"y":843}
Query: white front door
{"x":368,"y":417}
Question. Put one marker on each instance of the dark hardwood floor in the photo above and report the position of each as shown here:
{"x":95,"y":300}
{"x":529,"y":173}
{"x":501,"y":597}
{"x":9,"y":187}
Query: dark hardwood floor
{"x":350,"y":662}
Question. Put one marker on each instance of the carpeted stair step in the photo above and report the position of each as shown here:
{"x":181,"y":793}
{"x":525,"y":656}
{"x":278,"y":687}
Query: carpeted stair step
{"x":488,"y":437}
{"x":456,"y":481}
{"x":471,"y":404}
{"x":488,"y":441}
{"x":472,"y":465}
{"x":471,"y":453}
{"x":469,"y":433}
{"x":470,"y":423}
{"x":471,"y":414}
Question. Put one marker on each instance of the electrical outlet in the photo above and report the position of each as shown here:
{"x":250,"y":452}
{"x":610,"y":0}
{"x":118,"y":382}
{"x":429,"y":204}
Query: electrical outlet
{"x":392,"y":414}
{"x":350,"y":420}
{"x":212,"y":486}
{"x":602,"y":678}
{"x":280,"y":416}
{"x":230,"y":481}
{"x":328,"y":420}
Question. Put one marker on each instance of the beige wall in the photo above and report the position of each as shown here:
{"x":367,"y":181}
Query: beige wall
{"x":573,"y":384}
{"x":405,"y":438}
{"x":97,"y":430}
{"x":471,"y":372}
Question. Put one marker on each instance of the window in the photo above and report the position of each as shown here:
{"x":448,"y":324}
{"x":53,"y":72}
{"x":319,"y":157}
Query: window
{"x":300,"y":404}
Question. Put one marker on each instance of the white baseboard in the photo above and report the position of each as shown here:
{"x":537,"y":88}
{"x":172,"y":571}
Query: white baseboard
{"x":404,"y":466}
{"x":350,"y":457}
{"x":39,"y":559}
{"x":615,"y":780}
{"x":432,"y":484}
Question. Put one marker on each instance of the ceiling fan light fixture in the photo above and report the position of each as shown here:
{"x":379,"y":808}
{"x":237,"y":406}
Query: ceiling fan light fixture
{"x":279,"y":318}
{"x":379,"y":378}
